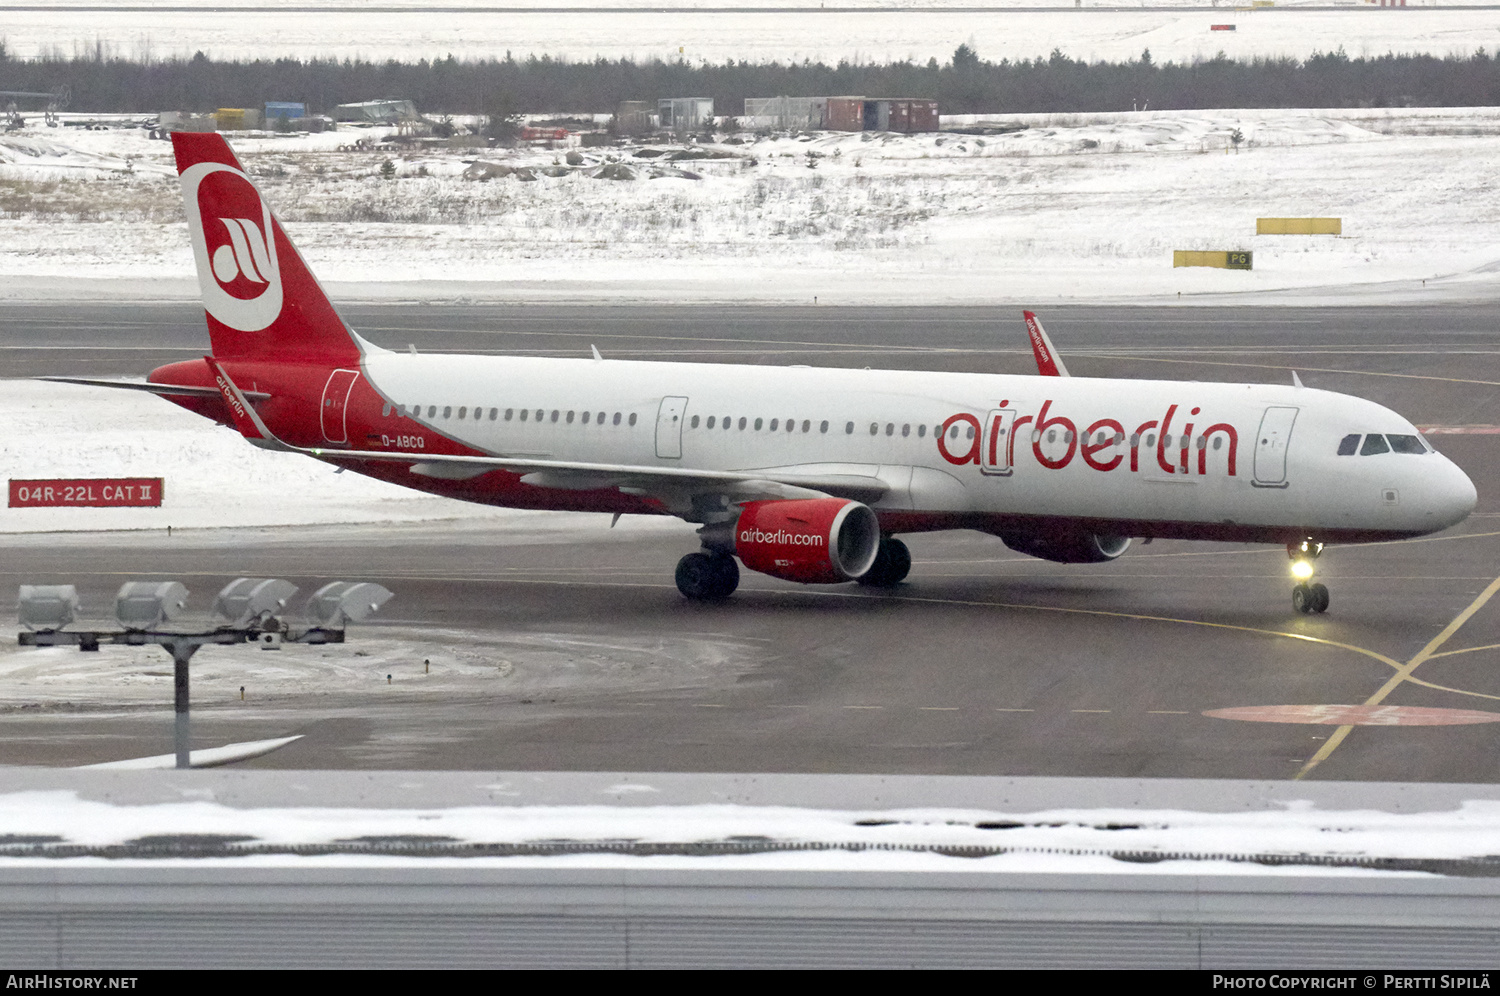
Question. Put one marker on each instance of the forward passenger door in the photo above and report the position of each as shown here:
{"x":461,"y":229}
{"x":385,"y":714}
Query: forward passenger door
{"x":1271,"y":446}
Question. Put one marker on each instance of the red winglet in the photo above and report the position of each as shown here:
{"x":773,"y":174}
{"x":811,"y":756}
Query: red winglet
{"x":1047,"y":360}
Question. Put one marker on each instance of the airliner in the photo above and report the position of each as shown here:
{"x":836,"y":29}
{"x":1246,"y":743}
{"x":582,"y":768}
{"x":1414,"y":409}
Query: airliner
{"x":806,"y":474}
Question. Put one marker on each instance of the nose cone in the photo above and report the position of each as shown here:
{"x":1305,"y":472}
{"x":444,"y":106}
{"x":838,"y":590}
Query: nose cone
{"x":1453,"y":494}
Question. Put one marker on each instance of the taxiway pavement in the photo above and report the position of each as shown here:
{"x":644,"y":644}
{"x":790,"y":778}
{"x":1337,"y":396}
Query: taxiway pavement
{"x":984,"y":663}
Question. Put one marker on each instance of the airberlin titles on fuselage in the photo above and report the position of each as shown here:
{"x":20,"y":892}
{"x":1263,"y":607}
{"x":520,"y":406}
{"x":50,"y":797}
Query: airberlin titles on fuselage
{"x":992,"y":443}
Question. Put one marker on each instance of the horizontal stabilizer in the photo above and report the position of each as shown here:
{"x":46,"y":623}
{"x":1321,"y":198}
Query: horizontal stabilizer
{"x":178,"y":390}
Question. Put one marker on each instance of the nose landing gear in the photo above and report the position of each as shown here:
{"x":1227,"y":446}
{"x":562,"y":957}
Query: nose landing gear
{"x":1307,"y":596}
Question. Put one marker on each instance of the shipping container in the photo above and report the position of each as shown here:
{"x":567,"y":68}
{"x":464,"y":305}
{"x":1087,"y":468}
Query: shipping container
{"x":924,"y":115}
{"x":844,"y":114}
{"x":284,"y":109}
{"x":901,"y":114}
{"x":237,"y":118}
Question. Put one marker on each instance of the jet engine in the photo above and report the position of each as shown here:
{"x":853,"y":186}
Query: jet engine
{"x":815,"y":540}
{"x":1068,"y":547}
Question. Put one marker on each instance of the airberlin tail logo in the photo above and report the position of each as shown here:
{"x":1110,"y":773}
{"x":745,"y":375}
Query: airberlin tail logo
{"x":247,"y":253}
{"x":234,"y":245}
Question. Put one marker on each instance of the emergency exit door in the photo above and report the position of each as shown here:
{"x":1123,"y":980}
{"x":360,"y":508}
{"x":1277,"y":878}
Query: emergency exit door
{"x":669,"y":427}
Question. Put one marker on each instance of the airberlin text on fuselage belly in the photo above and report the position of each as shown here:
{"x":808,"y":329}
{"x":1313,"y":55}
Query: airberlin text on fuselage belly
{"x":1153,"y":457}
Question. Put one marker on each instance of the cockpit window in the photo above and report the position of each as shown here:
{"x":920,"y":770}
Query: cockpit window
{"x":1349,"y":444}
{"x":1374,"y":443}
{"x":1405,"y":444}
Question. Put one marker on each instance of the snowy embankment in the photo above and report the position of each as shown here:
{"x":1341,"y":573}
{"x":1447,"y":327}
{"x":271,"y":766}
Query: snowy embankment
{"x":1042,"y":208}
{"x":213,"y":478}
{"x":1077,"y":840}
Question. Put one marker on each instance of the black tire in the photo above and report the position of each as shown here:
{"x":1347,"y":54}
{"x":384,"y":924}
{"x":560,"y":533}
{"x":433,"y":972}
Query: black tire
{"x":1320,"y":597}
{"x":726,"y":575}
{"x":1303,"y":599}
{"x":891,"y":566}
{"x":702,"y":577}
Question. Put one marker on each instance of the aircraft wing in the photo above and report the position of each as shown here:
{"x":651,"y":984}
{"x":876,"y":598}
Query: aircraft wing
{"x":668,"y":483}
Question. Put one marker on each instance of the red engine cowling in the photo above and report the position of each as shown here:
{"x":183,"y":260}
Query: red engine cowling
{"x":815,"y":540}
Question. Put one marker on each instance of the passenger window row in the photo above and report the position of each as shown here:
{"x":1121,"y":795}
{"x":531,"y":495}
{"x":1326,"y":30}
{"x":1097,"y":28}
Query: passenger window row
{"x":728,"y":422}
{"x":1136,"y":439}
{"x":1376,"y":443}
{"x":514,"y":414}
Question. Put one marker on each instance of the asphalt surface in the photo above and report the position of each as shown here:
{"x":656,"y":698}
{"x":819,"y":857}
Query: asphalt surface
{"x":984,"y":663}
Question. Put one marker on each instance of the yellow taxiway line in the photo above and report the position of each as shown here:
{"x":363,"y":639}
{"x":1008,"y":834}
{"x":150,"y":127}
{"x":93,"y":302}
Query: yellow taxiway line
{"x":1403,"y":673}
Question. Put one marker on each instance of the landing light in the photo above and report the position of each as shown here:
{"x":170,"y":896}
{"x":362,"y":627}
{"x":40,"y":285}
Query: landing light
{"x":47,"y":607}
{"x":143,"y":605}
{"x":1302,"y":570}
{"x":342,"y":602}
{"x":247,"y":599}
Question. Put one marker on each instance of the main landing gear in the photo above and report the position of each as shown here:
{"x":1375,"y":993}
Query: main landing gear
{"x":891,"y":566}
{"x":707,"y":576}
{"x":1307,"y":596}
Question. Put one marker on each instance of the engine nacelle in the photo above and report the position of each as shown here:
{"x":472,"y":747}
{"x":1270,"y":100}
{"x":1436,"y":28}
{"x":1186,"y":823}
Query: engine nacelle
{"x":815,"y":540}
{"x":1067,"y":548}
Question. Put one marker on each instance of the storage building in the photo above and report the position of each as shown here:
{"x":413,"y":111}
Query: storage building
{"x":383,"y":111}
{"x":684,"y":114}
{"x":635,"y":117}
{"x":169,"y":121}
{"x":788,"y":113}
{"x":284,"y":109}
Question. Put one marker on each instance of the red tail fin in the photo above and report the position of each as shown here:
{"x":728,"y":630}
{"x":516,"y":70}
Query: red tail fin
{"x":263,"y":302}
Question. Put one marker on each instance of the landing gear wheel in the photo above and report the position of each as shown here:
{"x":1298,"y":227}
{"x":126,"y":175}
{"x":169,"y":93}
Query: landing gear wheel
{"x":891,"y":566}
{"x":1320,"y":597}
{"x":707,"y":577}
{"x":1303,"y":598}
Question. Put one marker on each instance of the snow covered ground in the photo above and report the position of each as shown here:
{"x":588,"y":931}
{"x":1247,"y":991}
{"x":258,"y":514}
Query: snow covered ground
{"x":1058,"y":207}
{"x":915,"y":31}
{"x":1077,"y":840}
{"x":423,"y":663}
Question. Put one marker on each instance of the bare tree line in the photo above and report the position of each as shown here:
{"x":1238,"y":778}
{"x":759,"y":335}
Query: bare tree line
{"x":965,"y":84}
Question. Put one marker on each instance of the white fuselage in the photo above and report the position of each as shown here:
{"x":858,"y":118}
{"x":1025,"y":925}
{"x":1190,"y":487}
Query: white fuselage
{"x":1154,"y":451}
